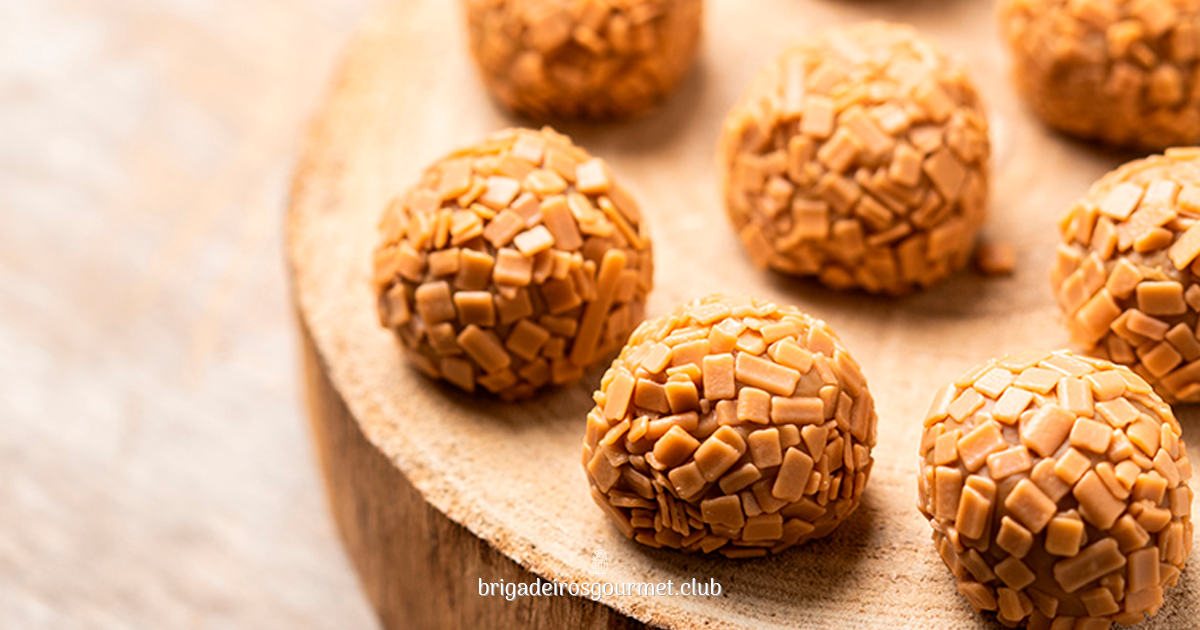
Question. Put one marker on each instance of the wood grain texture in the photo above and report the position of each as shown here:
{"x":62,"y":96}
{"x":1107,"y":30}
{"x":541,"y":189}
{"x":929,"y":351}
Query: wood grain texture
{"x":155,"y":465}
{"x":509,"y":473}
{"x":420,"y":569}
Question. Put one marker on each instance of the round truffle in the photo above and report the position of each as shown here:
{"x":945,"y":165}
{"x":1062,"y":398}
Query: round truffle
{"x":1127,"y":271}
{"x":731,"y":425}
{"x":859,"y":157}
{"x":582,"y":59}
{"x":1118,"y":71}
{"x":1056,"y":486}
{"x":513,"y":264}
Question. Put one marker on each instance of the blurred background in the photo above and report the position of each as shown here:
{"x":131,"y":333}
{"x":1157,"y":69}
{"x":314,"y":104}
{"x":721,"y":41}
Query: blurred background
{"x":155,"y":470}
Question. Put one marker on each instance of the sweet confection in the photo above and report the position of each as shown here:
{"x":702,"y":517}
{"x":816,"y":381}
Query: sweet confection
{"x":1126,"y":271}
{"x":1118,"y":71}
{"x":513,"y":264}
{"x":1057,"y":489}
{"x":732,"y":425}
{"x":582,"y":58}
{"x":859,"y":158}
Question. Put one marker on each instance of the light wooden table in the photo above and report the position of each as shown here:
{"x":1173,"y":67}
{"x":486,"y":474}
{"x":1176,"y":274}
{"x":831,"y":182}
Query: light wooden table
{"x":155,"y":466}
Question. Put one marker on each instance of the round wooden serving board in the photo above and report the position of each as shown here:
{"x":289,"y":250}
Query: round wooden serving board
{"x":435,"y":491}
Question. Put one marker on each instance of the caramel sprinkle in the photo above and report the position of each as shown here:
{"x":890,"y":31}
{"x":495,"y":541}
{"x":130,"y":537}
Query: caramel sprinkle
{"x":761,"y":453}
{"x":1063,"y":523}
{"x":581,"y":59}
{"x":995,"y":259}
{"x":860,"y":158}
{"x":1132,"y":304}
{"x":489,"y":277}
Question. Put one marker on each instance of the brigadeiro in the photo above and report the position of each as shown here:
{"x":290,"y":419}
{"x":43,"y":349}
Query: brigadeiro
{"x":513,"y":264}
{"x":1057,"y":489}
{"x":860,"y":158}
{"x":584,"y":58}
{"x":1127,"y":269}
{"x":732,"y":425}
{"x":1118,"y":71}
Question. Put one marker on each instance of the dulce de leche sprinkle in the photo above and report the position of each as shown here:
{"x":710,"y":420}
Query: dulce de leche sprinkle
{"x":860,"y":158}
{"x":584,"y":58}
{"x":499,"y":270}
{"x":731,"y":425}
{"x":1127,"y":268}
{"x":1059,"y":506}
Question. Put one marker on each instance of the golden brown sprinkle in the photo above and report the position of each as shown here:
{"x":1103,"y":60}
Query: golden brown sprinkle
{"x":1052,"y":500}
{"x":581,"y":59}
{"x":1127,"y":299}
{"x":1118,"y":71}
{"x":995,"y":259}
{"x":748,"y":448}
{"x":496,"y":271}
{"x":859,"y":158}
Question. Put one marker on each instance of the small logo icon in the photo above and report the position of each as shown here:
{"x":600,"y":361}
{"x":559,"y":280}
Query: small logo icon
{"x":599,"y":562}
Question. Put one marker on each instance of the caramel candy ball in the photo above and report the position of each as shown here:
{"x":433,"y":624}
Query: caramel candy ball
{"x":582,"y":58}
{"x":1056,"y":486}
{"x":860,"y":158}
{"x":513,"y":264}
{"x":1119,"y":71}
{"x":731,"y":425}
{"x":1127,"y":271}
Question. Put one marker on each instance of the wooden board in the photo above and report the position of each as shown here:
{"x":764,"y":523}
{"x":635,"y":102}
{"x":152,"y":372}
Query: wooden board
{"x":510,"y":474}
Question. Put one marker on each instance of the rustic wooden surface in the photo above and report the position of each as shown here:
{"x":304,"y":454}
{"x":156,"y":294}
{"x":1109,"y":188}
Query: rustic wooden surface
{"x":155,"y":467}
{"x":509,"y":474}
{"x":420,"y":569}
